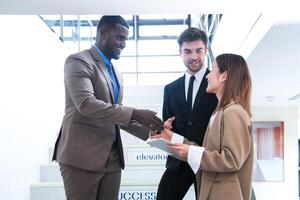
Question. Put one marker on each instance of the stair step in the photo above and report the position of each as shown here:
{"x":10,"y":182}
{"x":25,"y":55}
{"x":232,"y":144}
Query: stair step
{"x":50,"y":172}
{"x":128,"y":190}
{"x":137,"y":152}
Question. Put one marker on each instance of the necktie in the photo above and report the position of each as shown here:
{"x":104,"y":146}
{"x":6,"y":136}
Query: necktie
{"x":113,"y":82}
{"x":115,"y":86}
{"x":190,"y":93}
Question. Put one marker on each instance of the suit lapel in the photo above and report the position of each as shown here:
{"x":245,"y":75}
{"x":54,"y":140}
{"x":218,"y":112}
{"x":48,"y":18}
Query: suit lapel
{"x":181,"y":95}
{"x":201,"y":91}
{"x":103,"y":69}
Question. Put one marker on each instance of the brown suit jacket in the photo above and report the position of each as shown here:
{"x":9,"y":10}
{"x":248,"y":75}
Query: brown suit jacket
{"x":226,"y":170}
{"x":85,"y":139}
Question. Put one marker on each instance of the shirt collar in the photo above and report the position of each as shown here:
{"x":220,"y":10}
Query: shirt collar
{"x":198,"y":76}
{"x":104,"y":58}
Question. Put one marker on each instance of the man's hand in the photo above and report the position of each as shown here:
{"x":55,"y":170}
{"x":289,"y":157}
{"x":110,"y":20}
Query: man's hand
{"x":148,"y":118}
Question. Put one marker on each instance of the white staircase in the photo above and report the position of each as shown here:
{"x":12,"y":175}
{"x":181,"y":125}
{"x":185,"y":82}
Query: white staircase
{"x":144,"y":164}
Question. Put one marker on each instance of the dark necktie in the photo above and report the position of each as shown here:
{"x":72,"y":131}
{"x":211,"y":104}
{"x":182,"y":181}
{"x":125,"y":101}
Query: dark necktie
{"x":190,"y":93}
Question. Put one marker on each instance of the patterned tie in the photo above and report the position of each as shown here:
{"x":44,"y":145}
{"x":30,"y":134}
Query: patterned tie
{"x":190,"y":93}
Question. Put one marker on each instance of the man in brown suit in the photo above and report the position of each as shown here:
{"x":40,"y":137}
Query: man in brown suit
{"x":89,"y":147}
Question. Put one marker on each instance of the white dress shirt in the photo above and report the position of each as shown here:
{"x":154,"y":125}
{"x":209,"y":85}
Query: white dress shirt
{"x":195,"y":152}
{"x":197,"y":82}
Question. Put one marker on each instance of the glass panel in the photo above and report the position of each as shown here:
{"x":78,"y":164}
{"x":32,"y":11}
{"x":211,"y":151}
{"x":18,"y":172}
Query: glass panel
{"x":94,"y":31}
{"x":56,"y":29}
{"x":158,"y":47}
{"x":162,"y":16}
{"x":127,"y":17}
{"x":86,"y":31}
{"x":70,"y":17}
{"x":157,"y":78}
{"x":72,"y":46}
{"x":93,"y":17}
{"x":129,"y":49}
{"x":160,"y":64}
{"x":125,"y":64}
{"x":69,"y":31}
{"x":129,"y":79}
{"x":160,"y":30}
{"x":85,"y":45}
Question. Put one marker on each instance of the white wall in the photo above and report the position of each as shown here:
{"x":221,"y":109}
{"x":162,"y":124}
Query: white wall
{"x":31,"y":102}
{"x":288,"y":189}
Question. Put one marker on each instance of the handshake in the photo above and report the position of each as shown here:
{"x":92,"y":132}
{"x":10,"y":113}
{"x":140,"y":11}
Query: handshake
{"x":149,"y":119}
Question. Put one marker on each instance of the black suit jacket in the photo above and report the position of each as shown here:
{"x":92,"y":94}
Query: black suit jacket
{"x":191,"y":125}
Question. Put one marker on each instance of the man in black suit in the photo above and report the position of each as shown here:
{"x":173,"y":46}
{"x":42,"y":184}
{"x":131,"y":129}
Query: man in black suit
{"x":186,"y":99}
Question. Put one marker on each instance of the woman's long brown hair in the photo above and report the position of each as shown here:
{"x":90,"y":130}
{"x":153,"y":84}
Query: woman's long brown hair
{"x":238,"y":84}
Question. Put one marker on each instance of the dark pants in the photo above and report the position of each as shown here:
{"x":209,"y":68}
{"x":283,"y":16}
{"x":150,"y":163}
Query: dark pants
{"x":174,"y":186}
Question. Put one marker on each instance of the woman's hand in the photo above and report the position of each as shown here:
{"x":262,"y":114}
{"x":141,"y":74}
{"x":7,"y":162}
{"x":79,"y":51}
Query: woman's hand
{"x":168,"y":123}
{"x":181,"y":150}
{"x":167,"y":126}
{"x":165,"y":134}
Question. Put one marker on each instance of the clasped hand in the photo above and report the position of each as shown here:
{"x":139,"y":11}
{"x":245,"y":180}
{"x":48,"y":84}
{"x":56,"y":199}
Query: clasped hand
{"x":148,"y":118}
{"x":179,"y":149}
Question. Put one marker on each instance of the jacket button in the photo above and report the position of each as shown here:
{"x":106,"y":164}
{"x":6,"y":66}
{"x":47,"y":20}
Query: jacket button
{"x":190,"y":123}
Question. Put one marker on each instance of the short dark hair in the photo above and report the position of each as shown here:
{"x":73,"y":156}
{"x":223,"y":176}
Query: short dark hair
{"x":111,"y":20}
{"x":191,"y":34}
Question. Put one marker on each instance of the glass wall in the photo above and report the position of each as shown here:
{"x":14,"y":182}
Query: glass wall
{"x":151,"y":56}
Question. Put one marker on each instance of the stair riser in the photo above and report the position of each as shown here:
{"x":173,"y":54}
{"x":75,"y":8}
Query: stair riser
{"x":126,"y":193}
{"x":136,"y":173}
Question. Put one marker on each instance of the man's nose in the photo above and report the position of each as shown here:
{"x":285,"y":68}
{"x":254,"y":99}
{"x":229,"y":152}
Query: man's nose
{"x":194,"y":56}
{"x":122,"y":44}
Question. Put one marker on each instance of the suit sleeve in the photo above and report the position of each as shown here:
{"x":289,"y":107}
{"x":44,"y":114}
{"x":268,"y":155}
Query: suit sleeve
{"x":78,"y":81}
{"x":236,"y":144}
{"x":166,"y":111}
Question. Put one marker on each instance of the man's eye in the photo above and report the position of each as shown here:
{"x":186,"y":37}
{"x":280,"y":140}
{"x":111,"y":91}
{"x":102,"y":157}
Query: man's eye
{"x":121,"y":38}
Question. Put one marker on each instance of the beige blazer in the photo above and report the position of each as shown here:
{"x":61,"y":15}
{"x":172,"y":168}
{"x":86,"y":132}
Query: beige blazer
{"x":226,"y":173}
{"x":90,"y":116}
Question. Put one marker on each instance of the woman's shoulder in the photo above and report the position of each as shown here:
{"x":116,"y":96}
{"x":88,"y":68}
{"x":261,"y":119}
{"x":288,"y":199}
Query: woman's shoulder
{"x":235,"y":109}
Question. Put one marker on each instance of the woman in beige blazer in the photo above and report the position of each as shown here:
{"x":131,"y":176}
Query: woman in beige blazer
{"x":223,"y":164}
